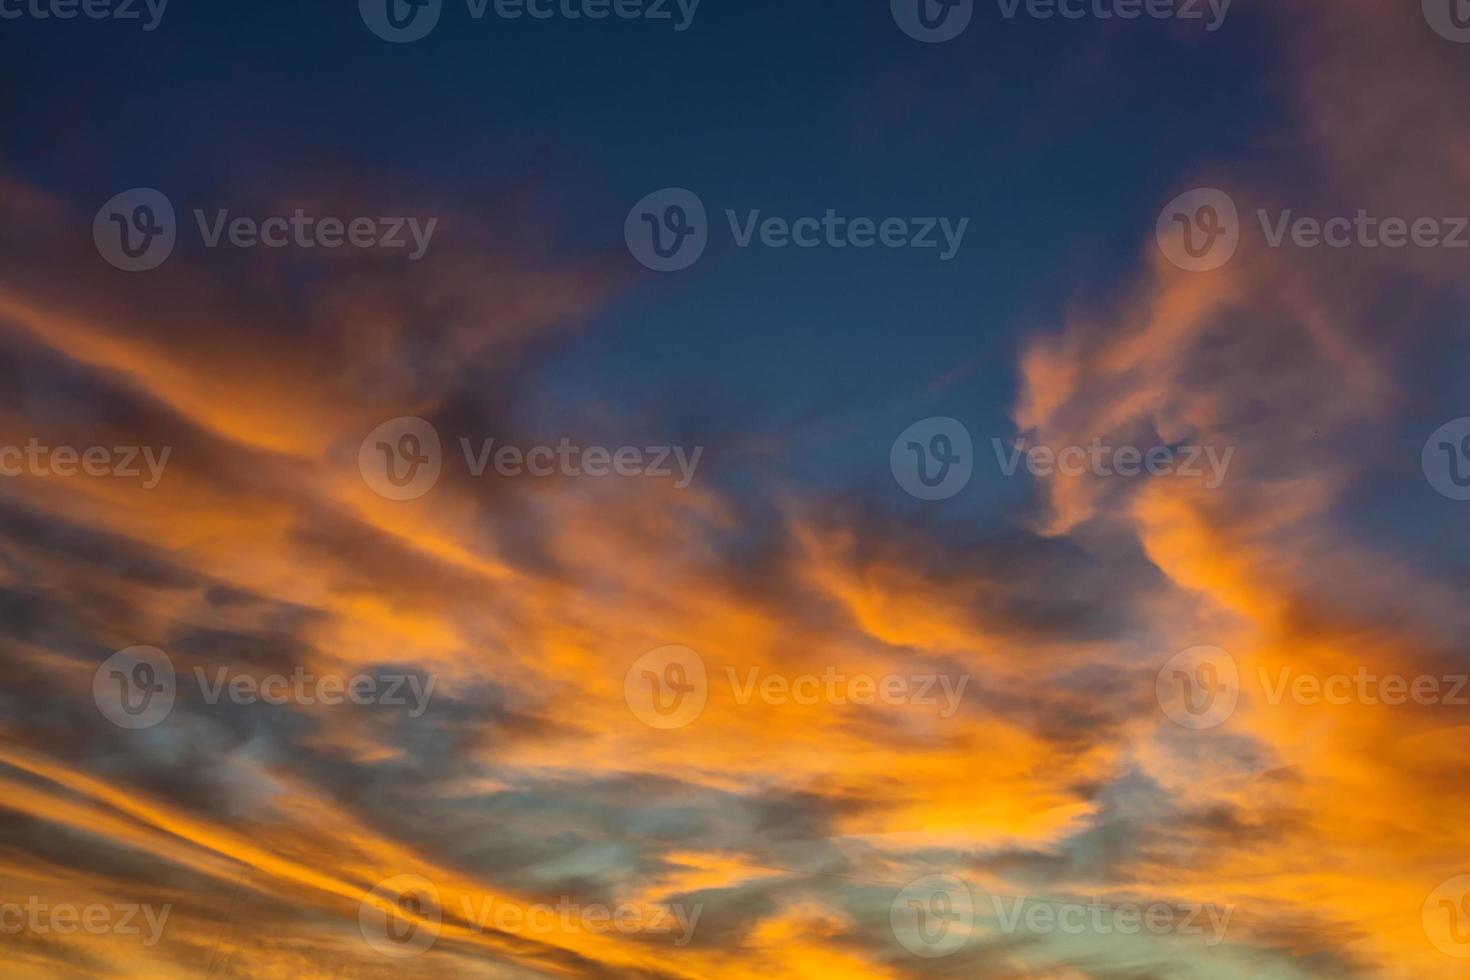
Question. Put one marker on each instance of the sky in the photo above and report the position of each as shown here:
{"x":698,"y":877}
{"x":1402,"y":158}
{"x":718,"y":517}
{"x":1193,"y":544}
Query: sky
{"x":601,"y":488}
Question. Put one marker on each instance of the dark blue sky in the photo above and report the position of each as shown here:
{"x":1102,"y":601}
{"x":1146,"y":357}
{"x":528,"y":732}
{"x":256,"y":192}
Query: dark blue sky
{"x":1057,"y":140}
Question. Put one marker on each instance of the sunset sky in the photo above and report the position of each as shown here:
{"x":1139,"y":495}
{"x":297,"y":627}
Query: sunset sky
{"x":1083,"y":596}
